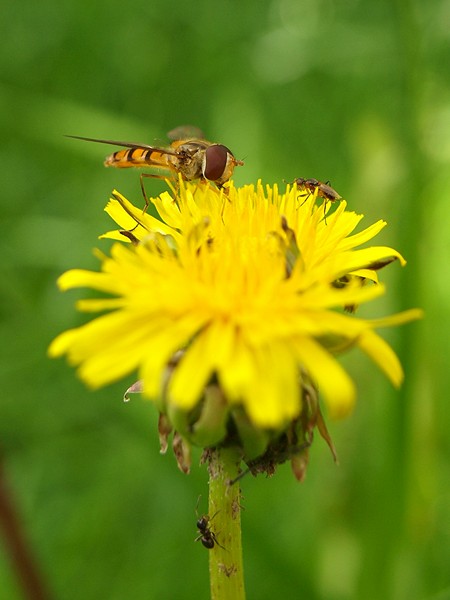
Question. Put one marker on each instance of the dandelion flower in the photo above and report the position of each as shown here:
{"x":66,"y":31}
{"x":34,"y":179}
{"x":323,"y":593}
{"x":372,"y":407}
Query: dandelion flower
{"x":247,"y":288}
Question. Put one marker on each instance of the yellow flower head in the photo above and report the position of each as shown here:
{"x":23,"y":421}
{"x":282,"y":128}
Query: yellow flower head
{"x":246,"y":281}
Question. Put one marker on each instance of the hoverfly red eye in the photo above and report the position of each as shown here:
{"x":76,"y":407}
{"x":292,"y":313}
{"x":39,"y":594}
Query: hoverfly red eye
{"x":215,"y":162}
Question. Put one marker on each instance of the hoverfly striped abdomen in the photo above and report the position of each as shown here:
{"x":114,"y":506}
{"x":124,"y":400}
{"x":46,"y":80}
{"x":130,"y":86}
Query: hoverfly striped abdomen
{"x":133,"y":157}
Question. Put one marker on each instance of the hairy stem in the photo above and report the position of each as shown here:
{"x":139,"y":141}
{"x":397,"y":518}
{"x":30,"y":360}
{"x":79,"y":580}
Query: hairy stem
{"x":225,"y":559}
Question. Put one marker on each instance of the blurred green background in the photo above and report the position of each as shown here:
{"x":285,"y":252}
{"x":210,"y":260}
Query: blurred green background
{"x":357,"y":93}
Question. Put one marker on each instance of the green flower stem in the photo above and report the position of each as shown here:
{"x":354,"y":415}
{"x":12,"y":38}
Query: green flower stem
{"x":225,"y":564}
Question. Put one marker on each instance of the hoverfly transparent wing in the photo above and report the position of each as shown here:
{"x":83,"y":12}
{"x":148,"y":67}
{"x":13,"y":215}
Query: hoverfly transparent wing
{"x":185,"y":132}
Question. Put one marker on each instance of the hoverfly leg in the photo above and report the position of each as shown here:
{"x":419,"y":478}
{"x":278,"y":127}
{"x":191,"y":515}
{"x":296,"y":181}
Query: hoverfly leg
{"x":129,"y":235}
{"x":141,"y":179}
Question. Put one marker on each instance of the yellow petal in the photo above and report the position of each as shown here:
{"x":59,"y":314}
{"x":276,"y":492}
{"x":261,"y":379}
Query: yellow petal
{"x":162,"y":345}
{"x":193,"y":373}
{"x":363,"y":236}
{"x":82,"y":278}
{"x":333,"y":382}
{"x":382,"y":354}
{"x":398,"y":319}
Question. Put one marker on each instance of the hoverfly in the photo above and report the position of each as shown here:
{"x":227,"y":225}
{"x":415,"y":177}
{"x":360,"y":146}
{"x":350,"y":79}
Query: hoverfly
{"x":189,"y":154}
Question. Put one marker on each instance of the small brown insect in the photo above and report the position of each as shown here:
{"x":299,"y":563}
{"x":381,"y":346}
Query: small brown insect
{"x":205,"y":535}
{"x":324,"y":190}
{"x":189,"y":154}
